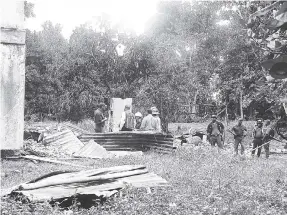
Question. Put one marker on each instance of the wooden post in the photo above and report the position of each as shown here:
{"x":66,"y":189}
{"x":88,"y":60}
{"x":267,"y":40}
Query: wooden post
{"x":226,"y":114}
{"x":12,"y":78}
{"x":241,"y":96}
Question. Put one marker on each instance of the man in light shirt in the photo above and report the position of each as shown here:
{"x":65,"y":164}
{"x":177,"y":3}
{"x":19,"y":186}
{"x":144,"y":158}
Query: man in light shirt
{"x":155,"y":122}
{"x":146,"y":122}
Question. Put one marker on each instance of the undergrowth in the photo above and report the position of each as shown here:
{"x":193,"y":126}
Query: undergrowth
{"x":202,"y":181}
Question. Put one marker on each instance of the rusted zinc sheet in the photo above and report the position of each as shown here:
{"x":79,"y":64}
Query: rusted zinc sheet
{"x":64,"y":141}
{"x":102,"y":182}
{"x":133,"y":141}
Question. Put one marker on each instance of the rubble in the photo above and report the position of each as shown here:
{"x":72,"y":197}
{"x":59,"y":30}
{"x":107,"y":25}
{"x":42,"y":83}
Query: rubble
{"x":59,"y":144}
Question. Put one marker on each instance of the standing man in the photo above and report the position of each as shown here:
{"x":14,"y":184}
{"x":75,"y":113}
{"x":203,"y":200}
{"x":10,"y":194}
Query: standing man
{"x":146,"y":122}
{"x":269,"y":133}
{"x":240,"y":132}
{"x":139,"y":118}
{"x":215,"y":131}
{"x":127,"y":120}
{"x":99,"y":118}
{"x":258,"y":135}
{"x":155,"y":122}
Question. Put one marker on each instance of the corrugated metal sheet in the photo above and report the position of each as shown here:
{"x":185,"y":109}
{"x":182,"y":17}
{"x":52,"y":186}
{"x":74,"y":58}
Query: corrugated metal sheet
{"x":99,"y":182}
{"x":92,"y":150}
{"x":133,"y":141}
{"x":64,"y":141}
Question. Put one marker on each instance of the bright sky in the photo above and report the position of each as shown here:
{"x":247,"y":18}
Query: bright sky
{"x":133,"y":14}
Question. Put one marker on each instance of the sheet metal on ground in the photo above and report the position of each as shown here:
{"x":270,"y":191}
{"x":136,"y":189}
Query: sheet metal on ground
{"x":102,"y":182}
{"x":92,"y":150}
{"x":131,"y":141}
{"x":64,"y":141}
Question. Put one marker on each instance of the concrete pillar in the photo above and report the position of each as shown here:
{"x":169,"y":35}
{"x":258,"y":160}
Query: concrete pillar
{"x":12,"y":77}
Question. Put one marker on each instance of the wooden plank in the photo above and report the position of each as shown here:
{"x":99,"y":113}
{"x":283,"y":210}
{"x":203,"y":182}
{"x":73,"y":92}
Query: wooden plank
{"x":83,"y":179}
{"x":32,"y":157}
{"x":12,"y":36}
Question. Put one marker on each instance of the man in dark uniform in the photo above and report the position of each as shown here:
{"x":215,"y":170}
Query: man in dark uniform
{"x":99,"y":118}
{"x":258,"y":135}
{"x":240,"y":132}
{"x":268,"y":134}
{"x":215,"y":131}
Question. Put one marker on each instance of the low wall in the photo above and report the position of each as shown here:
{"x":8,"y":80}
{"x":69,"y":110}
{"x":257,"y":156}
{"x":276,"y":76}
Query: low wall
{"x":131,"y":141}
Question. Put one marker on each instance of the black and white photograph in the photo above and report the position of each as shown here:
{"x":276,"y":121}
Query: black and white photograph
{"x":143,"y":107}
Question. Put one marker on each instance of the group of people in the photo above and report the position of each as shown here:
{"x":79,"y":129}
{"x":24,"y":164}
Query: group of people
{"x":261,"y":135}
{"x":130,"y":121}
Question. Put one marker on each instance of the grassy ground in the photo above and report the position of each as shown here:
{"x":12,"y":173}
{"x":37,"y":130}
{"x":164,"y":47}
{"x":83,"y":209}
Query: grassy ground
{"x":203,"y":181}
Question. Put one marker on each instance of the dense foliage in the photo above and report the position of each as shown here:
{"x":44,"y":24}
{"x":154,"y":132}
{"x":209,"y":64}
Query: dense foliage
{"x":185,"y":63}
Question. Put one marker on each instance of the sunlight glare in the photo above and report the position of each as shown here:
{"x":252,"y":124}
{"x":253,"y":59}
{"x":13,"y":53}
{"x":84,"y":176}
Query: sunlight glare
{"x":129,"y":14}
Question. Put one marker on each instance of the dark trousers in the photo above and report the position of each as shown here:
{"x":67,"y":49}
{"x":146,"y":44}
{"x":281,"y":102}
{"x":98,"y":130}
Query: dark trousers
{"x":99,"y":129}
{"x":124,"y":128}
{"x":266,"y":148}
{"x":216,"y":140}
{"x":237,"y":141}
{"x":257,"y":143}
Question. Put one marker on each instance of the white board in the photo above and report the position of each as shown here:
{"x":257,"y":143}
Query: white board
{"x":117,"y":108}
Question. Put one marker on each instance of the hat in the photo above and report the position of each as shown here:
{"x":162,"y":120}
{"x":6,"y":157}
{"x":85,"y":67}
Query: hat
{"x":259,"y":121}
{"x":127,"y":106}
{"x":100,"y":105}
{"x":138,"y":114}
{"x":213,"y":116}
{"x":154,"y":110}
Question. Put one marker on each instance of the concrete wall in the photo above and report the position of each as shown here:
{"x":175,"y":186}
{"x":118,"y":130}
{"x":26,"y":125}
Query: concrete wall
{"x":12,"y":77}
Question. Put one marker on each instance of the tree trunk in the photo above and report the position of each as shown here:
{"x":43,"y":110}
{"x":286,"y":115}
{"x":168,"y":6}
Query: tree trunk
{"x":226,"y":114}
{"x":193,"y":110}
{"x":241,"y":104}
{"x":241,"y":98}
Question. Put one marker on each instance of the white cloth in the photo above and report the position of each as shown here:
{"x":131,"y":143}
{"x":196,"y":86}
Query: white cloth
{"x":146,"y":123}
{"x":156,"y":124}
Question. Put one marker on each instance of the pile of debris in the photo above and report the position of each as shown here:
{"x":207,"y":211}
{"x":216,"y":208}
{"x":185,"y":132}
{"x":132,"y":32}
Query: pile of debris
{"x":62,"y":141}
{"x":57,"y":144}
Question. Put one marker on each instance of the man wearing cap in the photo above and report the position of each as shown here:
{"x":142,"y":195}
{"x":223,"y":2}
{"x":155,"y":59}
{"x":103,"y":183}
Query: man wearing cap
{"x":215,"y":131}
{"x":239,"y":132}
{"x":138,"y":122}
{"x":155,"y":122}
{"x":146,"y":122}
{"x":258,"y":135}
{"x":99,"y":118}
{"x":127,"y":120}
